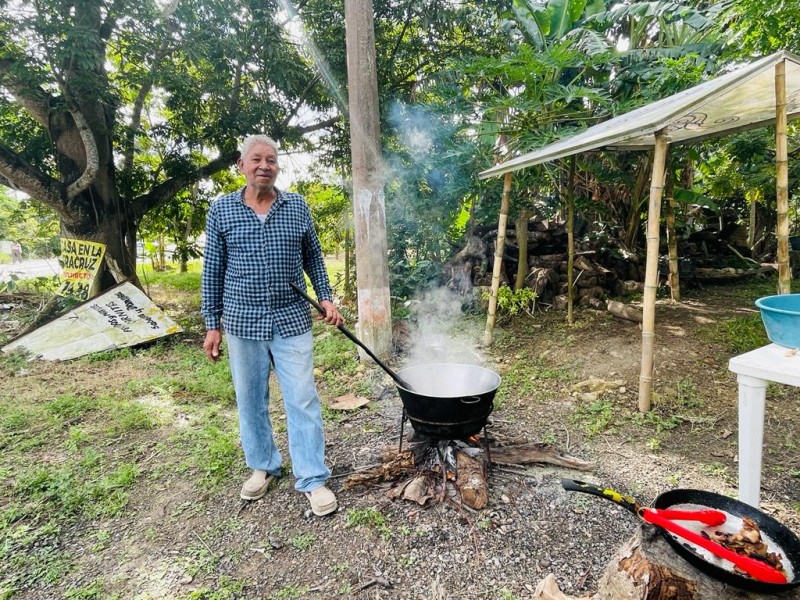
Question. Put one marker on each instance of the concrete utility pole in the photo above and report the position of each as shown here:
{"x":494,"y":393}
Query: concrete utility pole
{"x":369,"y":215}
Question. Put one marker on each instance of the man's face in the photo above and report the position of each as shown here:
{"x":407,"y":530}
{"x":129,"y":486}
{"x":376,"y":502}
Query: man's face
{"x":259,"y":166}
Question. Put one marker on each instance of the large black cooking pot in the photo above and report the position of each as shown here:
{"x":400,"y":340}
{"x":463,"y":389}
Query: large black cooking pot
{"x":449,"y":400}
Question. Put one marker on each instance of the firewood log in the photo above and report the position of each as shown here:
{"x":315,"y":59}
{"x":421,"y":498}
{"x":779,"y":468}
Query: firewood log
{"x":624,"y":311}
{"x":471,"y":481}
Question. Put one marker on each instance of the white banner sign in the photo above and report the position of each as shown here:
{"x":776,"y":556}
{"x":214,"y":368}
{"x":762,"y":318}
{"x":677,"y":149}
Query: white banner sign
{"x":123,"y":316}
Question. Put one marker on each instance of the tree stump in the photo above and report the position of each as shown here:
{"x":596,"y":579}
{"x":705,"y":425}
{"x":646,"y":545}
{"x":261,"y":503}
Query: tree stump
{"x":648,"y":568}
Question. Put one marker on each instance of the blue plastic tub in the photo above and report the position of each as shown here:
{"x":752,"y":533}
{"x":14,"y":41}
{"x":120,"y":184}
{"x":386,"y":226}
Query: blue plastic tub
{"x":781,"y":317}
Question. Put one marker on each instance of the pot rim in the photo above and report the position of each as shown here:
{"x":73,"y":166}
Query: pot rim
{"x":449,"y":364}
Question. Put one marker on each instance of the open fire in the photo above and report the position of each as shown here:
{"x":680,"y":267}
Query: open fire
{"x":455,"y":471}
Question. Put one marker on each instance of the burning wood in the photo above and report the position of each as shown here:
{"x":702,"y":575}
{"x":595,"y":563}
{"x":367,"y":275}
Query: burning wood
{"x":453,"y":469}
{"x":471,"y":481}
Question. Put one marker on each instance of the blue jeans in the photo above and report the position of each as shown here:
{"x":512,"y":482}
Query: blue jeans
{"x":294,"y":365}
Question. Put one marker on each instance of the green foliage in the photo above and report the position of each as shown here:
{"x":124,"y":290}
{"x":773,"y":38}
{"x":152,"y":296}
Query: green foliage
{"x":36,"y":285}
{"x":82,"y":487}
{"x":226,"y":588}
{"x":595,"y":417}
{"x":739,"y":334}
{"x":94,"y":591}
{"x":753,"y":27}
{"x":371,"y":518}
{"x":330,"y":210}
{"x":303,"y":542}
{"x":13,"y":362}
{"x":289,"y":592}
{"x":33,"y":226}
{"x":514,"y":302}
{"x":70,"y":407}
{"x":215,"y":452}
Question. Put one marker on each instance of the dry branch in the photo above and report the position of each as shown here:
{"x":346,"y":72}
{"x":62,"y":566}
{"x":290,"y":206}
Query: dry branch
{"x":525,"y":454}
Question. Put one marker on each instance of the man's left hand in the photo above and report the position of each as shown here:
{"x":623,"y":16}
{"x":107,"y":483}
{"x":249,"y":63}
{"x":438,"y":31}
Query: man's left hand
{"x":332,"y":315}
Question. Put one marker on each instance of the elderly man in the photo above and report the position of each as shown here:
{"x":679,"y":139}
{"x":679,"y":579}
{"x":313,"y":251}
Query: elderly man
{"x":259,"y":240}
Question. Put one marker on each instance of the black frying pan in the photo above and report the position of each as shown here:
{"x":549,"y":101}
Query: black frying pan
{"x":780,"y":534}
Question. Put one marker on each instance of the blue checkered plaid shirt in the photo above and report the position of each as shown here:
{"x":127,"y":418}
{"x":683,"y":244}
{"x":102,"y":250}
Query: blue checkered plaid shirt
{"x":248,"y":265}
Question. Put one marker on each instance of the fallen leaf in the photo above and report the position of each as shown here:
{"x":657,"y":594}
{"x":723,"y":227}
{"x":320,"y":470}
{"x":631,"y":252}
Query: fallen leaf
{"x":726,"y":434}
{"x":348,"y":402}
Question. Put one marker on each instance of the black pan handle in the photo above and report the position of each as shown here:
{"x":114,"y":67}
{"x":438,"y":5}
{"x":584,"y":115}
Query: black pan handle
{"x":627,"y":502}
{"x":398,"y":380}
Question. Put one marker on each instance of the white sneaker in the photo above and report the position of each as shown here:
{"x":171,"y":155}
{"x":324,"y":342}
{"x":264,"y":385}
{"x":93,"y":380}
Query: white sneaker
{"x":258,"y":484}
{"x":323,"y":502}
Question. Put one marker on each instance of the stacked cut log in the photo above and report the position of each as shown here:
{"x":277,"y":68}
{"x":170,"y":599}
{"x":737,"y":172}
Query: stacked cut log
{"x":602,"y":268}
{"x":598,"y":272}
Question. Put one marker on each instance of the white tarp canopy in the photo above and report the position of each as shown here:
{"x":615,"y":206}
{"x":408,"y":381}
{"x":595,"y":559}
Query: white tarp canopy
{"x":739,"y":100}
{"x":764,"y":92}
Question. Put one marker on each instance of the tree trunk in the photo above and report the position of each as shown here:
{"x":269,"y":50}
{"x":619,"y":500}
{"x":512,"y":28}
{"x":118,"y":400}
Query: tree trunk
{"x":570,"y":238}
{"x":672,"y":242}
{"x":782,"y":179}
{"x":637,"y":198}
{"x":522,"y":244}
{"x":369,"y":214}
{"x":119,"y":262}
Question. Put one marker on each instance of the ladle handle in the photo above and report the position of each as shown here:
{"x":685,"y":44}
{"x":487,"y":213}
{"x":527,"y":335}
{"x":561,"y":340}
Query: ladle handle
{"x":354,"y":339}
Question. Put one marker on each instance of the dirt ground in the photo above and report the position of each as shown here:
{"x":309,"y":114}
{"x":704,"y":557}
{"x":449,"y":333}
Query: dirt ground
{"x":275,"y":549}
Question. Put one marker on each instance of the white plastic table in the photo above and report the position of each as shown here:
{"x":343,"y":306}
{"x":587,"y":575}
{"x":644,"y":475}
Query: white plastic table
{"x":754,"y":370}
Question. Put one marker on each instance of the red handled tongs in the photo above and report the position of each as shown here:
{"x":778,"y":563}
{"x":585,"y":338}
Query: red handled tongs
{"x":757,"y":569}
{"x":666,"y":519}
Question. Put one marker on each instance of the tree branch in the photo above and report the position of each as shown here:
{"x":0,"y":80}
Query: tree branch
{"x":92,"y":156}
{"x":166,"y":190}
{"x":317,"y":126}
{"x":303,"y":95}
{"x":129,"y":146}
{"x":401,"y":35}
{"x":29,"y":94}
{"x":23,"y":176}
{"x":296,"y":12}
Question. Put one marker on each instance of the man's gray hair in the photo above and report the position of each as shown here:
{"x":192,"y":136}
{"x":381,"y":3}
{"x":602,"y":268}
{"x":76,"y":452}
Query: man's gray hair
{"x":252,"y":140}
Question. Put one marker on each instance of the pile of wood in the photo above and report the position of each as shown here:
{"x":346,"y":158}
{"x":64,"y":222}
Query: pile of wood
{"x":597,"y":273}
{"x":456,"y":471}
{"x":602,"y":268}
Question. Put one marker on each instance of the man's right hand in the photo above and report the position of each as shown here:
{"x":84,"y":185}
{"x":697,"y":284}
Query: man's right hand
{"x":211,"y":344}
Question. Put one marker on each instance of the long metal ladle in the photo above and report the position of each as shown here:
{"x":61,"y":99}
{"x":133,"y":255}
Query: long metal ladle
{"x":398,"y":380}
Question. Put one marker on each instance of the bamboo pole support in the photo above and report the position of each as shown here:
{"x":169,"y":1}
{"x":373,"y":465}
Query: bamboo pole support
{"x":672,"y":241}
{"x":782,"y":180}
{"x":570,"y":237}
{"x":502,"y":224}
{"x":651,"y":271}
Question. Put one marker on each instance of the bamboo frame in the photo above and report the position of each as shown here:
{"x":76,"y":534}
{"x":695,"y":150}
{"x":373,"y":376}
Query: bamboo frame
{"x":782,"y":180}
{"x":502,"y":224}
{"x":651,"y":271}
